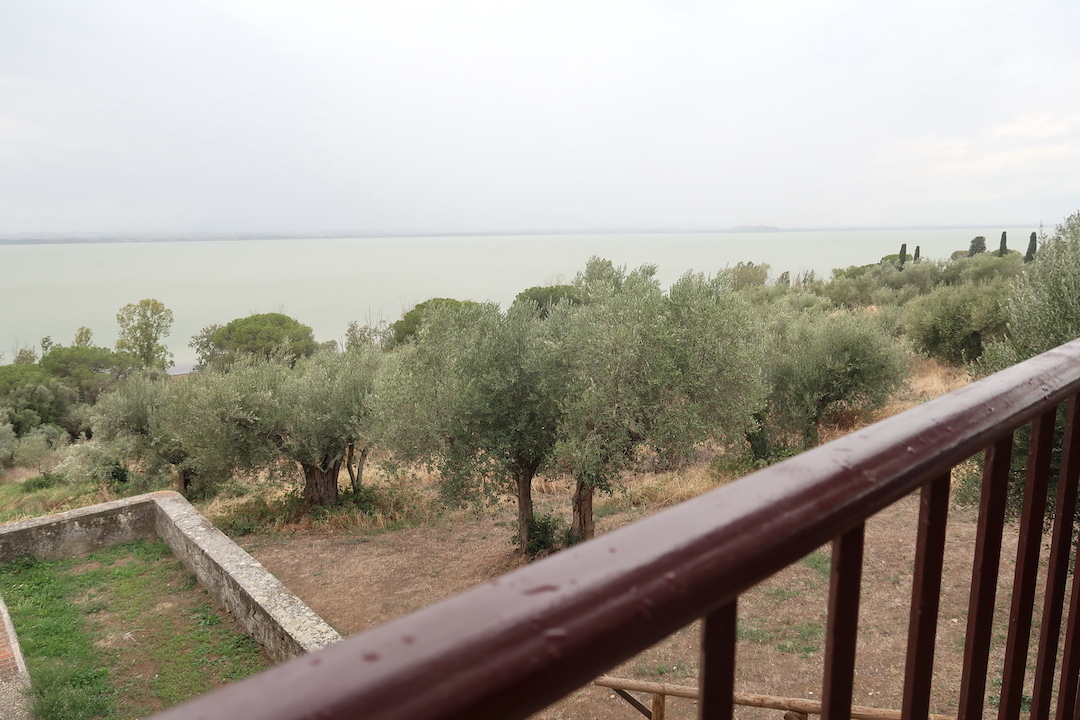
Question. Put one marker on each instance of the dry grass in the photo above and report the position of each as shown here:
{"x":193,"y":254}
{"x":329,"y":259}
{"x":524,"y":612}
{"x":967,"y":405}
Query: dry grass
{"x":927,"y":379}
{"x":657,"y":490}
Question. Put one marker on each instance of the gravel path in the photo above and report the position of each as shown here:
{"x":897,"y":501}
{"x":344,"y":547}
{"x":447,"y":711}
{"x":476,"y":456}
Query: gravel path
{"x":14,"y":702}
{"x":14,"y":680}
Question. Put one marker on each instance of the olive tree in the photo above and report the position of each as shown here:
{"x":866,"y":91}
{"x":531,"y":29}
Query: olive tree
{"x":135,"y":425}
{"x":326,"y":402}
{"x":39,"y":400}
{"x":817,"y":364}
{"x":649,"y":370}
{"x":1045,"y":307}
{"x":262,"y":411}
{"x":1044,"y":312}
{"x":955,"y":321}
{"x":474,"y":396}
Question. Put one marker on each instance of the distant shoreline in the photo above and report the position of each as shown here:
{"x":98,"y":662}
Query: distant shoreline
{"x":60,"y":239}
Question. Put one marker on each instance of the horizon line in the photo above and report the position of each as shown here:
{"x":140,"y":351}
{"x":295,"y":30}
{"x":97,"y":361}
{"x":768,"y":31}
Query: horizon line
{"x":194,"y":236}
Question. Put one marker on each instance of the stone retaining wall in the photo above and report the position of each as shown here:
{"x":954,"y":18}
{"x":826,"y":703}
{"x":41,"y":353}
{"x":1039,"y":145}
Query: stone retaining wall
{"x":79,"y":531}
{"x":238,"y":583}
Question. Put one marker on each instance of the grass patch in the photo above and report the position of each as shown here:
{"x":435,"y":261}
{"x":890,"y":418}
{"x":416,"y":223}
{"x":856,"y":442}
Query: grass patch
{"x":782,"y":594}
{"x":804,"y":639}
{"x":750,"y":632}
{"x":819,"y":561}
{"x":68,"y":678}
{"x":121,"y":633}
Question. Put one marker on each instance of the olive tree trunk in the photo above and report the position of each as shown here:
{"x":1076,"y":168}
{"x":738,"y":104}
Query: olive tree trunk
{"x":523,"y":487}
{"x":184,"y":478}
{"x":321,"y":482}
{"x":356,"y":475}
{"x":582,"y":527}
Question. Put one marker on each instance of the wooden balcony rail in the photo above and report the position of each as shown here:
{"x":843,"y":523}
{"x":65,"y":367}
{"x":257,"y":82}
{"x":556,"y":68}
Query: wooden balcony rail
{"x":512,"y":646}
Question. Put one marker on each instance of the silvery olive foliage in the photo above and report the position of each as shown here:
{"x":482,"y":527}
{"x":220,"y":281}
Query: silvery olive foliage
{"x":650,"y":370}
{"x":473,"y":396}
{"x":1045,"y":307}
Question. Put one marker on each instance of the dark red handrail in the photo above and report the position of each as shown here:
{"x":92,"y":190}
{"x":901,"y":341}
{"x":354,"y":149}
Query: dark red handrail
{"x":514,"y":645}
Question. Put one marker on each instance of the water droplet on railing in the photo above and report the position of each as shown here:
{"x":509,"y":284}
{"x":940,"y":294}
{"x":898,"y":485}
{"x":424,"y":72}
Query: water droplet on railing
{"x":370,"y":656}
{"x":540,"y":589}
{"x":553,"y":635}
{"x":645,"y":608}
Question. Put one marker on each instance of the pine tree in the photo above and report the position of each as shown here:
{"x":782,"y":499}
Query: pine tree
{"x":978,"y":245}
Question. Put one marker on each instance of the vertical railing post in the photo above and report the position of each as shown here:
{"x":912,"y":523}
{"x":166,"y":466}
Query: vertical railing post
{"x":984,"y":576}
{"x":1057,"y":570}
{"x":1027,"y":564}
{"x":717,"y":675}
{"x":1067,"y":707}
{"x":925,"y":598}
{"x":843,"y":624}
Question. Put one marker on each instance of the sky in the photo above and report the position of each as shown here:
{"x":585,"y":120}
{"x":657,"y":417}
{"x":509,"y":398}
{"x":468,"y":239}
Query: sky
{"x":462,"y":116}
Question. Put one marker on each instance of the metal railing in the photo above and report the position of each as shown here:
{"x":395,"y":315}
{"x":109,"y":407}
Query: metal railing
{"x":516,"y":644}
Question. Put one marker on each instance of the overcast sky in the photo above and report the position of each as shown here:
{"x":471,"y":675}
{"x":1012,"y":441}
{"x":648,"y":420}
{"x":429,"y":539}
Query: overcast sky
{"x":409,"y":116}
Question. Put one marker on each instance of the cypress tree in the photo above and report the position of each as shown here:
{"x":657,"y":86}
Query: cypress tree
{"x":903,"y":255}
{"x":1001,"y":248}
{"x":1030,"y":254}
{"x":917,"y":255}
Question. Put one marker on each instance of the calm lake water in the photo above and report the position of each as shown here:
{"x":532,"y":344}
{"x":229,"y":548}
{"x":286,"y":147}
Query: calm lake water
{"x":54,"y":289}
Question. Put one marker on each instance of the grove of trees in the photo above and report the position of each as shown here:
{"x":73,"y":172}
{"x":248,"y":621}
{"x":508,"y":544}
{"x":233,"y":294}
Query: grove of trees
{"x":582,"y":381}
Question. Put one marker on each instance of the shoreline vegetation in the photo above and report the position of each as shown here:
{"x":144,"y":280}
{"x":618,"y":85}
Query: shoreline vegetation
{"x":84,"y":238}
{"x":587,"y":380}
{"x":376,"y":279}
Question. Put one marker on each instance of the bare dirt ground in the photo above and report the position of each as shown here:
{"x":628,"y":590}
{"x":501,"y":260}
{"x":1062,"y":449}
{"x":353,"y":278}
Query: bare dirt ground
{"x":356,"y":581}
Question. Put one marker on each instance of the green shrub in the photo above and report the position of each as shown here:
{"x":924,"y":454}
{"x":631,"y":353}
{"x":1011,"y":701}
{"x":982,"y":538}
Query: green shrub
{"x":547,"y":533}
{"x":826,"y":364}
{"x":953,"y":322}
{"x":42,"y":482}
{"x":7,"y":442}
{"x":39,"y":449}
